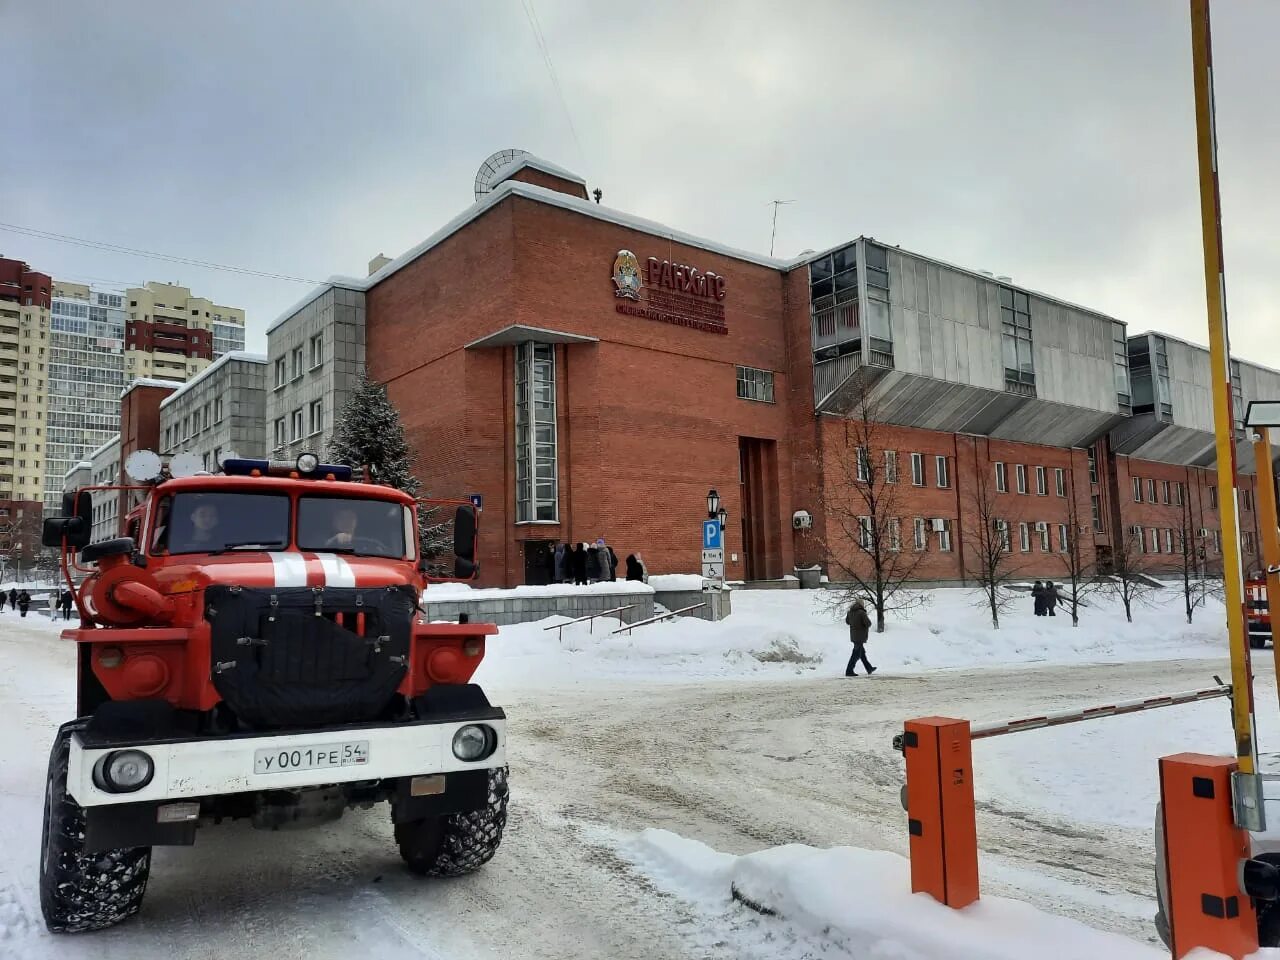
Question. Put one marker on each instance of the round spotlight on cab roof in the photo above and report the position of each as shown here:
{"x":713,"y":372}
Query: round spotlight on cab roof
{"x":185,"y":465}
{"x":142,"y":466}
{"x":307,"y":463}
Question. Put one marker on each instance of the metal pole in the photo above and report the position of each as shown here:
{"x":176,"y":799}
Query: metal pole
{"x":1246,"y":745}
{"x":1268,"y":533}
{"x":1059,"y":718}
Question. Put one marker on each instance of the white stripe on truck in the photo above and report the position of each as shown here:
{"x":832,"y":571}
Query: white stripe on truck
{"x":337,"y":572}
{"x":290,"y":569}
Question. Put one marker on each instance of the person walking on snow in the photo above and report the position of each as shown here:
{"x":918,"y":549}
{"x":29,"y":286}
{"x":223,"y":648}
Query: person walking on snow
{"x":13,"y":599}
{"x":608,"y":561}
{"x":1051,"y":597}
{"x":65,"y":602}
{"x":24,"y":602}
{"x":859,"y":626}
{"x":1037,"y":594}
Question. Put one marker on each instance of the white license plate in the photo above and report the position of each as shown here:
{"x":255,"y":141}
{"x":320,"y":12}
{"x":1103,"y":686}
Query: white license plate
{"x":352,"y":753}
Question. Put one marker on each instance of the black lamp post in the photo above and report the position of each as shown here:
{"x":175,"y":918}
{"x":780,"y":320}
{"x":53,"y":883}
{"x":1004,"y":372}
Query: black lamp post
{"x":713,"y":502}
{"x":722,"y":514}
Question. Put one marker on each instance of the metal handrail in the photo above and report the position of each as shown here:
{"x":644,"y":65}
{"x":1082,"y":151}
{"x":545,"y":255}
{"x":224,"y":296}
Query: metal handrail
{"x":590,"y":618}
{"x":662,"y":616}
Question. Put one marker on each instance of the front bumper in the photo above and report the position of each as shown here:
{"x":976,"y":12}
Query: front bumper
{"x":215,"y":766}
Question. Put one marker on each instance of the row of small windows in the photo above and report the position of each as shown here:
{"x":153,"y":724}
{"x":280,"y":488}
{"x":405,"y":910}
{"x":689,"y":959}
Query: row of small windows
{"x":1173,"y":492}
{"x":193,"y":424}
{"x":1148,"y":539}
{"x":290,"y":429}
{"x":1020,"y":478}
{"x":291,"y":368}
{"x":865,"y":470}
{"x":1029,"y":533}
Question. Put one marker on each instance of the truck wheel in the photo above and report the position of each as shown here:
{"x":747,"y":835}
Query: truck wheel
{"x":82,"y":891}
{"x":456,"y":843}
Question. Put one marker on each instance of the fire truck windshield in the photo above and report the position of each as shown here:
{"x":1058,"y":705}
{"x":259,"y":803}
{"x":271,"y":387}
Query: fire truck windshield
{"x":373,"y":528}
{"x":216,"y":522}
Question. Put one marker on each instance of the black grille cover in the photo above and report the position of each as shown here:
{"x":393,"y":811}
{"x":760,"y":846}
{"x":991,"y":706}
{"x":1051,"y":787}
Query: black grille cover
{"x":279,"y":659}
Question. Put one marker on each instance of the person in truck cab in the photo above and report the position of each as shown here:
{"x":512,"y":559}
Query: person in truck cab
{"x":204,"y":525}
{"x":345,"y":523}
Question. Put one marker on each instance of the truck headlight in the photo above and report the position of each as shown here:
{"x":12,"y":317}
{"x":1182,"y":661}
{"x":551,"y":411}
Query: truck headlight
{"x":123,"y":771}
{"x":474,"y":742}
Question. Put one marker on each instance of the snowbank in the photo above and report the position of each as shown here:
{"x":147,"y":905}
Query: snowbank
{"x":782,"y":633}
{"x":853,"y":902}
{"x":463,"y":591}
{"x":676,"y":581}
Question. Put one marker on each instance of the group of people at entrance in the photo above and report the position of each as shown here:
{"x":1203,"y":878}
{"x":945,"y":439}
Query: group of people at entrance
{"x":20,"y":600}
{"x":1046,"y":596}
{"x":583,"y":563}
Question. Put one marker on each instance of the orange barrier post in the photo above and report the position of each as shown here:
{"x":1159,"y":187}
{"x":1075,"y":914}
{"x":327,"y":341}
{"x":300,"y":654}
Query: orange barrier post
{"x":1203,"y":852}
{"x":940,"y":811}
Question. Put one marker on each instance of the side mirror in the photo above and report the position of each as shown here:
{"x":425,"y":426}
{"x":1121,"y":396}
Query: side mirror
{"x":464,"y":543}
{"x":75,"y":527}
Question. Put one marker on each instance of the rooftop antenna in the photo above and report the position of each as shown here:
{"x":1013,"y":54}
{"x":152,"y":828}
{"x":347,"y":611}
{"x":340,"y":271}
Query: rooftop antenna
{"x":774,"y":233}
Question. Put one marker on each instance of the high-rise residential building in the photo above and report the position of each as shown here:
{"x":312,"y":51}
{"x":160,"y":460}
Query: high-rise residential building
{"x":172,"y":335}
{"x":85,"y":376}
{"x":24,"y":346}
{"x":98,"y":340}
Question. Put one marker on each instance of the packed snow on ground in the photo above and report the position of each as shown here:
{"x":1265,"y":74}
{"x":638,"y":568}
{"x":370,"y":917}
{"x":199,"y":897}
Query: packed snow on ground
{"x":450,"y":592}
{"x":676,"y":581}
{"x":847,"y":902}
{"x":783,"y":633}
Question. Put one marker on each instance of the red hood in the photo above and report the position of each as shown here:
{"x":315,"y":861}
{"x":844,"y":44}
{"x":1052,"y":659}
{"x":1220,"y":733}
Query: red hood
{"x":287,"y":569}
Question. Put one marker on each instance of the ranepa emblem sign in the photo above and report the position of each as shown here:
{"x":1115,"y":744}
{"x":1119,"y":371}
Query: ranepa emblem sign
{"x":626,"y":275}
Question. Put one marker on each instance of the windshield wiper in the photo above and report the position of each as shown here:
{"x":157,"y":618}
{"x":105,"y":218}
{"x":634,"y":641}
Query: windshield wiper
{"x":240,"y":545}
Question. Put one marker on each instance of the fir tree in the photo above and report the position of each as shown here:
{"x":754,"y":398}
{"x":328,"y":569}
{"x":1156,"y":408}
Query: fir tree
{"x":369,"y":433}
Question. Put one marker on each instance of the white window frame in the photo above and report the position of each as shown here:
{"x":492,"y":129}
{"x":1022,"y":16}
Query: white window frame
{"x":1137,"y":489}
{"x":1155,"y":540}
{"x":944,"y":537}
{"x":1046,"y":544}
{"x":1042,"y":482}
{"x":1151,"y":490}
{"x":866,"y":531}
{"x":531,"y":356}
{"x":295,"y":363}
{"x":282,"y":371}
{"x":1178,"y":493}
{"x":1062,"y":538}
{"x":921,"y":534}
{"x":1020,"y":477}
{"x":279,"y":432}
{"x":295,"y":425}
{"x":917,"y":469}
{"x":1139,"y":534}
{"x":315,"y":417}
{"x":862,"y":464}
{"x":1024,"y":536}
{"x":1168,"y":539}
{"x":1164,"y":492}
{"x":891,"y":466}
{"x":942,"y":471}
{"x":1002,"y":533}
{"x":754,"y":384}
{"x":1060,"y":481}
{"x":1002,"y":477}
{"x":895,"y":534}
{"x":317,"y":351}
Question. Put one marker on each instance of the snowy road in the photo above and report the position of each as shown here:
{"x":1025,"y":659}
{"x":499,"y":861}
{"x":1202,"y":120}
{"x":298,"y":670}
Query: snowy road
{"x":737,"y":765}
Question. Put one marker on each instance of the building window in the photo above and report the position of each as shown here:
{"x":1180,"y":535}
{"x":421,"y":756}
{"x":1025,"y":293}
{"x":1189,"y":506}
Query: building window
{"x":1002,"y":534}
{"x":940,"y":467}
{"x":1020,"y":471}
{"x":1120,"y":362}
{"x":1164,"y":491}
{"x":1155,"y":540}
{"x":1138,"y":538}
{"x":866,"y":534}
{"x":204,"y":417}
{"x":279,"y":432}
{"x":315,"y":417}
{"x":317,"y":350}
{"x":1095,"y":507}
{"x":280,"y":372}
{"x":1168,"y":540}
{"x":1043,"y":530}
{"x":1015,"y":321}
{"x":895,"y":534}
{"x":1137,"y":490}
{"x":1060,"y":481}
{"x":295,"y":425}
{"x":1002,"y":478}
{"x":1213,"y":498}
{"x":944,"y":536}
{"x":1151,"y":491}
{"x":296,"y":363}
{"x":921,"y":534}
{"x":862,"y":464}
{"x":755,"y":384}
{"x":891,"y":466}
{"x":1177,"y":494}
{"x":1217,"y":541}
{"x":217,"y":458}
{"x":217,"y":410}
{"x":1042,"y":482}
{"x":537,"y":472}
{"x":1024,"y":537}
{"x":1062,"y":538}
{"x":917,"y":469}
{"x":168,"y":437}
{"x":1246,"y":496}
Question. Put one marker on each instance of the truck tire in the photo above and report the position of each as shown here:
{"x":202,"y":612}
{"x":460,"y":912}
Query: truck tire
{"x":82,"y":891}
{"x":456,"y":843}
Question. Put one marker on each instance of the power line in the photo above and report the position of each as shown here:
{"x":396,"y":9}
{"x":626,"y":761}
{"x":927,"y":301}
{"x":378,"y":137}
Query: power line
{"x":150,"y":254}
{"x":541,"y":41}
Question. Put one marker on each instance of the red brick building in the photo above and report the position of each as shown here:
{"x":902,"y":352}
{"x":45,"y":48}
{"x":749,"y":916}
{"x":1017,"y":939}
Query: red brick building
{"x":591,"y":374}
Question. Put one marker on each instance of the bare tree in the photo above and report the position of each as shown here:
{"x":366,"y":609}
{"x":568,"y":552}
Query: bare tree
{"x":988,"y":557}
{"x":1079,"y":565}
{"x":1130,"y":572}
{"x":865,"y":541}
{"x":1193,"y":563}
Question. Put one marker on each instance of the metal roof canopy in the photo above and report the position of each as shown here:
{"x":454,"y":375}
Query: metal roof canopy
{"x":523,"y":333}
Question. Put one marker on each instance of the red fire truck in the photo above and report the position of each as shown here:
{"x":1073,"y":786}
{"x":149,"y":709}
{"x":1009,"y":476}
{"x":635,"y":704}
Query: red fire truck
{"x":253,"y":648}
{"x":1259,"y":617}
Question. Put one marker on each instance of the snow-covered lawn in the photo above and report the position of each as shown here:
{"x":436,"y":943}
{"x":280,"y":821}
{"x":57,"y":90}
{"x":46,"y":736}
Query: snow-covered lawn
{"x":782,"y":633}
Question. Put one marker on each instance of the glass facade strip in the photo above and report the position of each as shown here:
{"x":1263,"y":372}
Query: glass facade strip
{"x":537,"y":471}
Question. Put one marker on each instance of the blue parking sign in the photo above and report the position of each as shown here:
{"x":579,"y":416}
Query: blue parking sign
{"x":712,"y":535}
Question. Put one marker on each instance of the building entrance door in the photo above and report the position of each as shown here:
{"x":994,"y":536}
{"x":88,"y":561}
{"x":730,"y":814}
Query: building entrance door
{"x":758,"y":488}
{"x":538,"y":562}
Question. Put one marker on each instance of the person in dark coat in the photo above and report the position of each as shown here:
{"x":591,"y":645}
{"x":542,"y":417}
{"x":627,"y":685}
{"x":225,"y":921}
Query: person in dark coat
{"x":24,"y":602}
{"x":64,"y":602}
{"x":859,"y":627}
{"x":561,"y":570}
{"x":594,"y":570}
{"x":13,"y":600}
{"x":1051,"y":597}
{"x":578,"y":563}
{"x":635,"y":568}
{"x":1037,"y":593}
{"x":608,"y":560}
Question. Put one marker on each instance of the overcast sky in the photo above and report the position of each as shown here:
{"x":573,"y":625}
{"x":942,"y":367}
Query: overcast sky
{"x":1050,"y":141}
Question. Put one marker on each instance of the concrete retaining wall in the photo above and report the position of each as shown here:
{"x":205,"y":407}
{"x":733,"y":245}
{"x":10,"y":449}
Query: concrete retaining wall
{"x":508,"y":610}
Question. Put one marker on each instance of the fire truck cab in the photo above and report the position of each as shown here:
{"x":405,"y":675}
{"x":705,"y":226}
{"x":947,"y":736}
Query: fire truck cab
{"x":1258,"y":613}
{"x":255,"y":650}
